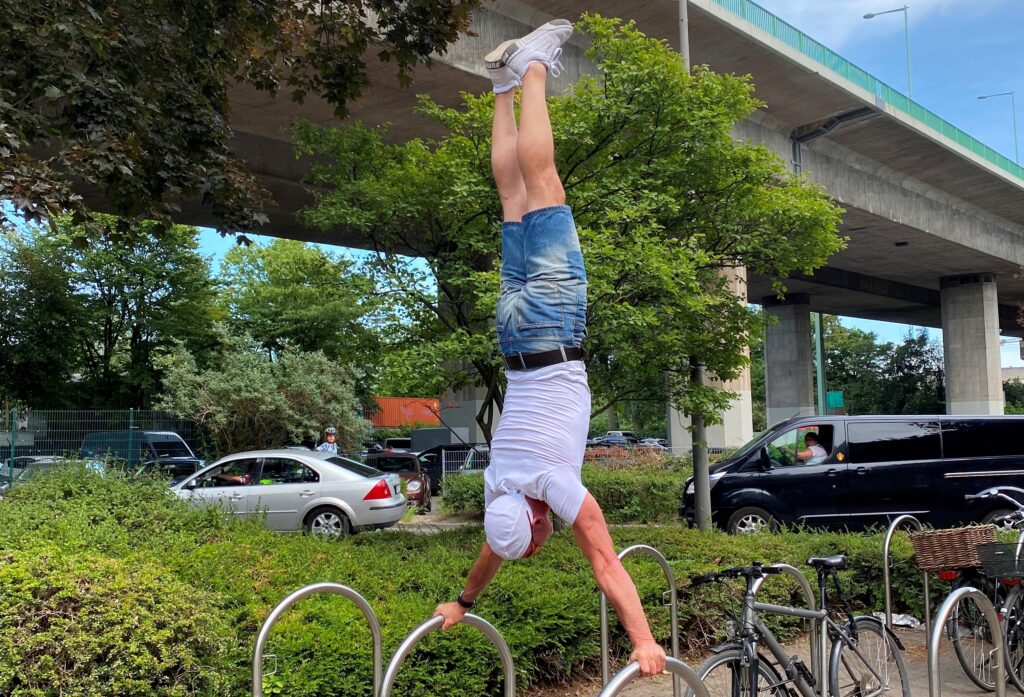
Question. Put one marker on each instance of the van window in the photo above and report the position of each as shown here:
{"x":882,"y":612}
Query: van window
{"x":169,"y":446}
{"x":977,"y":438}
{"x":890,"y":441}
{"x":805,"y":445}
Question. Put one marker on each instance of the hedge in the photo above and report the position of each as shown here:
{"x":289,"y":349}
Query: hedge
{"x":644,"y":495}
{"x":116,"y":587}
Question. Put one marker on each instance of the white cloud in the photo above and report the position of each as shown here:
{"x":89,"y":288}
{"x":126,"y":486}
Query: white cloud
{"x":836,"y":23}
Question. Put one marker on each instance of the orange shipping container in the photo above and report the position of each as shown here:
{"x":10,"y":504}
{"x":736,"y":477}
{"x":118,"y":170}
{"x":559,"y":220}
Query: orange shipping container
{"x":393,"y":412}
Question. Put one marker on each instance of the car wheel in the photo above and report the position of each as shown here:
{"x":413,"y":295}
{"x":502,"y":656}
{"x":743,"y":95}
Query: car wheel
{"x":429,"y":505}
{"x":328,"y":523}
{"x":991,"y":516}
{"x":751,"y":521}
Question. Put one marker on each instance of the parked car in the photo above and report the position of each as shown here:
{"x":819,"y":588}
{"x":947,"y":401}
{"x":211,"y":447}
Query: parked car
{"x":433,"y":461}
{"x":655,"y":441}
{"x":325,"y":494}
{"x":623,"y":439}
{"x":854,"y":472}
{"x":141,"y":452}
{"x":397,"y":445}
{"x":24,"y":468}
{"x":406,"y":466}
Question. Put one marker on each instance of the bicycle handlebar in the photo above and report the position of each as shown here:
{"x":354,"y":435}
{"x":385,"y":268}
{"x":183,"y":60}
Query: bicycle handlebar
{"x":756,"y":570}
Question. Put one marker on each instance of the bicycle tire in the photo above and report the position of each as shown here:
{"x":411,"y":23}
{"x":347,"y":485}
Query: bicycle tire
{"x":729,"y":664}
{"x":874,"y":661}
{"x":972,"y":642}
{"x":1013,"y":637}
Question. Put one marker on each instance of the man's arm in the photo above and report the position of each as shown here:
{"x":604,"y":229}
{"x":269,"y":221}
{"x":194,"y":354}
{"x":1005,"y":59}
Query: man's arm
{"x":484,"y":569}
{"x":592,"y":536}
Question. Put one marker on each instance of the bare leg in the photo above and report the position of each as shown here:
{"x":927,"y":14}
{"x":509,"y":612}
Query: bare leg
{"x":504,"y":161}
{"x":536,"y":145}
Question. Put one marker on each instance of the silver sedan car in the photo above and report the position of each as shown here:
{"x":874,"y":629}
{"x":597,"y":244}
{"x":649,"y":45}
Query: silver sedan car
{"x":325,"y":494}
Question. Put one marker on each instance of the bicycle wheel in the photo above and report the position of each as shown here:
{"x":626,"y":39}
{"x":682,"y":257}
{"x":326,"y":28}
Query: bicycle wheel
{"x":869,"y":666}
{"x":1013,"y":635}
{"x":723,"y":676}
{"x":972,"y":643}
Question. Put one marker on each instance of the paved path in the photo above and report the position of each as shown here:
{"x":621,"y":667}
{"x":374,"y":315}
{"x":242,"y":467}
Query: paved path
{"x":954,"y":682}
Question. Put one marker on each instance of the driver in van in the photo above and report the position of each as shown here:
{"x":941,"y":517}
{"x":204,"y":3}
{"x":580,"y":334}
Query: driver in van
{"x":813,"y":452}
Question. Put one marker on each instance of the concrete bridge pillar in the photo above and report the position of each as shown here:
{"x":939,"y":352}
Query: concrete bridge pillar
{"x":788,"y":362}
{"x":970,"y":344}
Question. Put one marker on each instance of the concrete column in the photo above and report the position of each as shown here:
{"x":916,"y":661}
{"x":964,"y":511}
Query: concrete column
{"x":788,"y":361}
{"x":459,"y":410}
{"x":970,"y":344}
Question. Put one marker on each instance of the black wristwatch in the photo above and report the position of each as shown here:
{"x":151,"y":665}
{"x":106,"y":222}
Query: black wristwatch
{"x":465,"y":604}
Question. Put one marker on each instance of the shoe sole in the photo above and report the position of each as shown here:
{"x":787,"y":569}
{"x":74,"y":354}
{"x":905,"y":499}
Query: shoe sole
{"x":506,"y":49}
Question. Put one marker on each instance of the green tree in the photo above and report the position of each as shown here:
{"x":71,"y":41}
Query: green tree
{"x":104,"y":308}
{"x":1014,"y":394}
{"x":289,"y":293}
{"x":854,"y":362}
{"x":248,"y":401}
{"x":132,"y":99}
{"x":664,"y":198}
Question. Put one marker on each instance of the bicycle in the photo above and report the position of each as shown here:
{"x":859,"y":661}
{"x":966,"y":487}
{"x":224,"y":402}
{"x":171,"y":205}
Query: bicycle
{"x":865,"y":659}
{"x":999,"y":577}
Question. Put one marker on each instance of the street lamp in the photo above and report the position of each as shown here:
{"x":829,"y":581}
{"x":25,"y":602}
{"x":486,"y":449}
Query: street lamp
{"x":1013,"y":113}
{"x":906,"y":38}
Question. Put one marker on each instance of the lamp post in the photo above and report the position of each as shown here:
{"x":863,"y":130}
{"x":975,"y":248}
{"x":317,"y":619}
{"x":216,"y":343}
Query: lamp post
{"x":1013,"y":113}
{"x":906,"y":38}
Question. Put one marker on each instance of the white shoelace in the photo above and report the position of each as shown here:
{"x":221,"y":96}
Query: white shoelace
{"x":555,"y":66}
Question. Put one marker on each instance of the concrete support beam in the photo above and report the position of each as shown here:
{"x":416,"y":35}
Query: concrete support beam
{"x":970,"y":343}
{"x":789,"y":365}
{"x":459,"y":410}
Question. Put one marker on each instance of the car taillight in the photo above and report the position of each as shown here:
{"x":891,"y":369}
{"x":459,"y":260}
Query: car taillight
{"x":947,"y":576}
{"x":380,"y":490}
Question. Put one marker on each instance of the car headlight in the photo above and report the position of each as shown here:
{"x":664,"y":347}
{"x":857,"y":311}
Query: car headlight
{"x":712,"y":479}
{"x":413,"y":486}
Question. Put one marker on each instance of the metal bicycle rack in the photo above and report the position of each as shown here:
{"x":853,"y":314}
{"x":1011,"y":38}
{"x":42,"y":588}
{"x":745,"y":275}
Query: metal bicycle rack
{"x":284,"y":605}
{"x":935,"y":637}
{"x":435,"y":623}
{"x":679,"y":670}
{"x":887,"y":574}
{"x":805,"y":585}
{"x":674,"y":614}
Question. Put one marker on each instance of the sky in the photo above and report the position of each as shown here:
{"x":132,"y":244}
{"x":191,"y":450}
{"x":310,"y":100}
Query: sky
{"x":959,"y":50}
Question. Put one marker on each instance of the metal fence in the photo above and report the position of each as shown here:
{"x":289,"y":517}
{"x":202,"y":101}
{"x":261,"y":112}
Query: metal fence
{"x":793,"y":37}
{"x":63,"y":433}
{"x":458,"y":461}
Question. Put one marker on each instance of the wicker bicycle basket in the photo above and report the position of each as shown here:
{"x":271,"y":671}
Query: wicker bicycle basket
{"x":953,"y":548}
{"x":1001,"y":560}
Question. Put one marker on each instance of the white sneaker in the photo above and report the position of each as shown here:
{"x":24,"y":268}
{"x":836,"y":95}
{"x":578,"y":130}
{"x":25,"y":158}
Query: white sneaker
{"x":543,"y":45}
{"x":501,"y":75}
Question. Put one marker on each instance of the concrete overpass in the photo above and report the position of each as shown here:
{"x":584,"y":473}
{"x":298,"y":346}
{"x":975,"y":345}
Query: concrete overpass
{"x":935,"y":219}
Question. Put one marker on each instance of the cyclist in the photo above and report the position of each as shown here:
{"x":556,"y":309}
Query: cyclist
{"x":330,"y":444}
{"x":538,"y":448}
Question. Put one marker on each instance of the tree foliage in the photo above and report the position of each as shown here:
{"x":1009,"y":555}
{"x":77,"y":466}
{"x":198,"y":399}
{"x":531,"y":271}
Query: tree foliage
{"x":665,"y":200}
{"x":247,"y":401}
{"x":99,"y":311}
{"x":131,"y":99}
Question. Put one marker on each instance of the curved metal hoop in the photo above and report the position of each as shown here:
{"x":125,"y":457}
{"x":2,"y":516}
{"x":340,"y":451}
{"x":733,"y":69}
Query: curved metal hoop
{"x":284,"y":605}
{"x":887,"y":574}
{"x":679,"y":670}
{"x":434,"y":623}
{"x":939,"y":624}
{"x":673,"y":605}
{"x":817,"y":648}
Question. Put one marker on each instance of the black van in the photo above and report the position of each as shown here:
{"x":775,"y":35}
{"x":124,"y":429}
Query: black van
{"x":141,"y":451}
{"x":866,"y":471}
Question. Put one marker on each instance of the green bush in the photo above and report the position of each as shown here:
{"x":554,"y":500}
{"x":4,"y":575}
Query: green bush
{"x":115,"y":587}
{"x":647,"y":495}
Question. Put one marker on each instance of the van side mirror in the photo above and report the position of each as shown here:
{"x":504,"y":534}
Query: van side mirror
{"x":764,"y":463}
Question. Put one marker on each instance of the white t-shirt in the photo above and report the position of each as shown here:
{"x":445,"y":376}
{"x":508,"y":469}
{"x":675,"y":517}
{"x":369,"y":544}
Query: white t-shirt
{"x":539,"y":445}
{"x":818,"y":455}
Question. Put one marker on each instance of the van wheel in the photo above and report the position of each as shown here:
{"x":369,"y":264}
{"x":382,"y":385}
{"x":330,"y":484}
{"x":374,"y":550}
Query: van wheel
{"x":328,"y":523}
{"x":991,"y":516}
{"x":751,"y":521}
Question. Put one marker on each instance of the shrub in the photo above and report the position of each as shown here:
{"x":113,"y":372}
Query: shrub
{"x":641,"y":495}
{"x":115,"y":587}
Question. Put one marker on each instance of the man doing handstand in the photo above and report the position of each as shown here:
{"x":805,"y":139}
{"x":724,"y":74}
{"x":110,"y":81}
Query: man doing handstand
{"x":537,"y":451}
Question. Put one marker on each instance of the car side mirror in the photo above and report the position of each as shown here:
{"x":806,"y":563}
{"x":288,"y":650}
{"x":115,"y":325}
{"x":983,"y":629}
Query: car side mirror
{"x":764,"y":463}
{"x":191,"y":485}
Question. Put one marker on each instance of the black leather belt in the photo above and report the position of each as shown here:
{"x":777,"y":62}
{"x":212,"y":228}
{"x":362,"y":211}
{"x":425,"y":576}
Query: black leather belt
{"x":541,"y":359}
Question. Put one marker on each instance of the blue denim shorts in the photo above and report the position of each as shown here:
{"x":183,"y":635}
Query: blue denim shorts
{"x":543,"y":302}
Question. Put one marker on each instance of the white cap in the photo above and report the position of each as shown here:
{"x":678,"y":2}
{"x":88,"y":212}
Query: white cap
{"x":507,"y":525}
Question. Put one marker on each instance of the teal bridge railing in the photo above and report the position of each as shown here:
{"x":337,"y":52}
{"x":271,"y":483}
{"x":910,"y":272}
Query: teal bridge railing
{"x":793,"y":37}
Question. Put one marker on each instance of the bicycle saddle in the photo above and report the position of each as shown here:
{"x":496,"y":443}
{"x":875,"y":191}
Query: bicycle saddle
{"x":836,"y":561}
